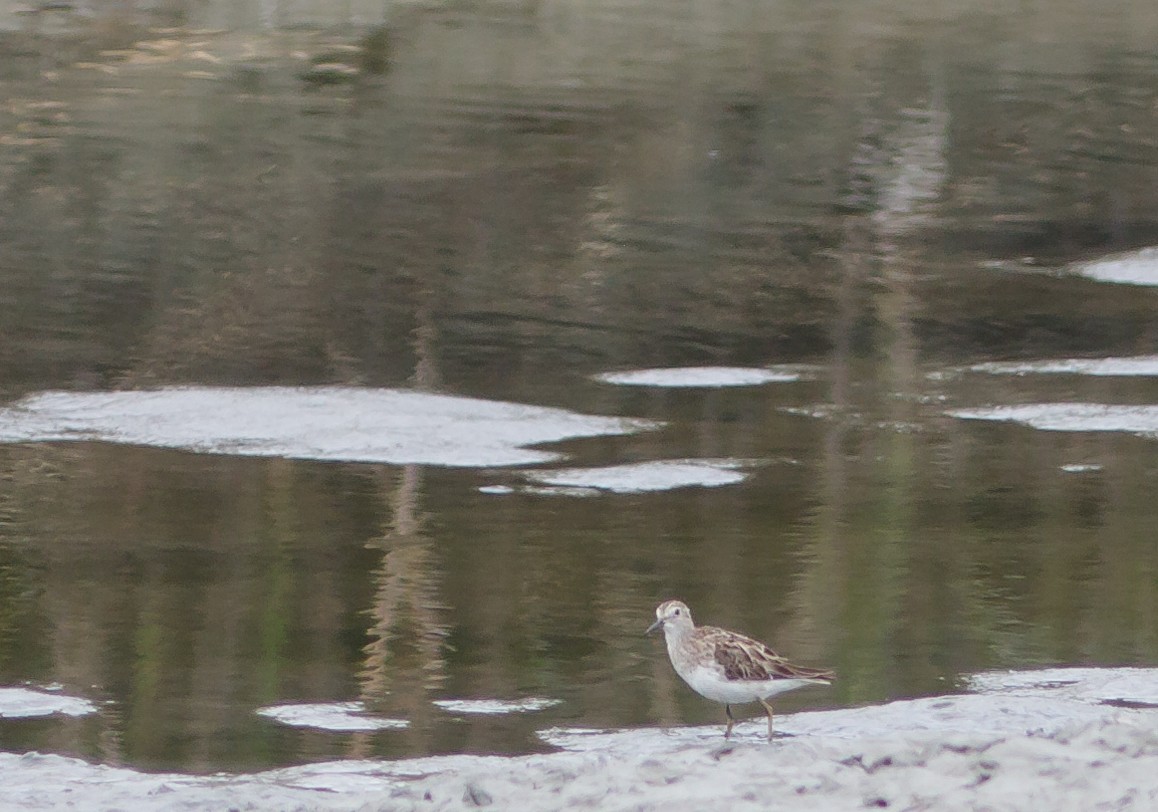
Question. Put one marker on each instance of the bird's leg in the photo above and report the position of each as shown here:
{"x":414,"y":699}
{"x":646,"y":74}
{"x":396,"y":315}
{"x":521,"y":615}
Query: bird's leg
{"x":768,"y":708}
{"x":731,"y":720}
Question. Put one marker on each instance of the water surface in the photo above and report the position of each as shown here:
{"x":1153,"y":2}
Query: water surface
{"x":866,"y":209}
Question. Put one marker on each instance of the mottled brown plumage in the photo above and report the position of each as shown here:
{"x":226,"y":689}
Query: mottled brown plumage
{"x":728,"y":667}
{"x":743,"y":658}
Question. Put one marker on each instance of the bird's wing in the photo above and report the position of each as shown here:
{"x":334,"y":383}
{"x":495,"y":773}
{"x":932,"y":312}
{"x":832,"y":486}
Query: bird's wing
{"x":743,"y":658}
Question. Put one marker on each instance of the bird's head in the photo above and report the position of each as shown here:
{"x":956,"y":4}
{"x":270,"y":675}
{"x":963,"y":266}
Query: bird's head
{"x":673,"y":615}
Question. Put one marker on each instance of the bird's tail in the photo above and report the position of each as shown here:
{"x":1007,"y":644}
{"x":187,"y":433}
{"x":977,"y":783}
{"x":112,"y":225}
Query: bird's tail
{"x":816,"y":675}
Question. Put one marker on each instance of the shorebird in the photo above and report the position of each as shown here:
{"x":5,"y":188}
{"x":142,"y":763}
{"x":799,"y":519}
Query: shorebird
{"x":728,"y":667}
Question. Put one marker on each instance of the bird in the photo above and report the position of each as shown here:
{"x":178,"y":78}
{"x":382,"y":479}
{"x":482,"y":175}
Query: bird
{"x":728,"y":667}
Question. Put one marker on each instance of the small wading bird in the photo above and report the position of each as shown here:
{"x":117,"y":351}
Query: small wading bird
{"x":727,"y":667}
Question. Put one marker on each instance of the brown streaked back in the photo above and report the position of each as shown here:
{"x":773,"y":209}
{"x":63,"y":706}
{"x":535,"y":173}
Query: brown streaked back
{"x":743,"y":658}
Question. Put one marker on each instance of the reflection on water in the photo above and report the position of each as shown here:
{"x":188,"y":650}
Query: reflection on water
{"x":861,"y":213}
{"x":405,"y":660}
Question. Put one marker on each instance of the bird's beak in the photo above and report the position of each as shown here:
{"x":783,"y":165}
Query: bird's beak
{"x":657,"y":625}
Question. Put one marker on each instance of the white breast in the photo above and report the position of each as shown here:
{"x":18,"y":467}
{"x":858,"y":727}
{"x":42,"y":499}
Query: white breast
{"x":711,"y":683}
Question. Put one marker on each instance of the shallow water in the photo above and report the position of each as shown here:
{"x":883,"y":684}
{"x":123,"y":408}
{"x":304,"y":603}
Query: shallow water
{"x":842,"y":232}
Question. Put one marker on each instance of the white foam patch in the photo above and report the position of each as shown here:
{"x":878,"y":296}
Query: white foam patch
{"x":538,"y":490}
{"x":552,"y":490}
{"x":1143,"y":365}
{"x":663,"y":475}
{"x":1132,"y":268}
{"x":1141,"y":420}
{"x":324,"y":423}
{"x":822,"y":411}
{"x":339,"y":717}
{"x":702,"y":377}
{"x":1080,"y":467}
{"x":25,"y":703}
{"x":495,"y":706}
{"x":1098,"y":686}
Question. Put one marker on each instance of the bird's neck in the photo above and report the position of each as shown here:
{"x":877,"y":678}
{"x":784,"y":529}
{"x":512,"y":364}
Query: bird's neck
{"x":674,"y":634}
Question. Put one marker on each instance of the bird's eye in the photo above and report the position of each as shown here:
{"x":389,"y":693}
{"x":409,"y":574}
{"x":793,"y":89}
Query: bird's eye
{"x":676,"y":612}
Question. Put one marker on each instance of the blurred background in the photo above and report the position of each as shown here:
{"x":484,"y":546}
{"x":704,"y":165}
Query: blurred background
{"x":503,"y":199}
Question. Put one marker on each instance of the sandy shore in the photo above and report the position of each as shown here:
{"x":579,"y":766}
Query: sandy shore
{"x":1079,"y":739}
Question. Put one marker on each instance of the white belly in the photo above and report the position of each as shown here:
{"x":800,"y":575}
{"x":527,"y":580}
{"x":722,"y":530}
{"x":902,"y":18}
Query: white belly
{"x":710,"y":683}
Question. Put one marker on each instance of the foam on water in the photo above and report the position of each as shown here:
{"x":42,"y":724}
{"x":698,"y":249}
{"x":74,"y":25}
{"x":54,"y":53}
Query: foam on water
{"x":1142,"y":365}
{"x":640,"y":477}
{"x":1132,"y":268}
{"x":492,"y":707}
{"x":24,"y":703}
{"x":340,"y":717}
{"x":1140,"y":420}
{"x":322,"y":423}
{"x":1095,"y":686}
{"x":702,"y":377}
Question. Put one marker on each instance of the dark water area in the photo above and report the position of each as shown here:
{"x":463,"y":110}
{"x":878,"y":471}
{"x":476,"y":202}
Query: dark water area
{"x":502,"y":200}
